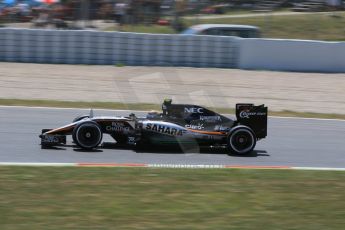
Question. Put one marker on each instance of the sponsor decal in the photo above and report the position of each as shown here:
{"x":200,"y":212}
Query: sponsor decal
{"x":193,"y":110}
{"x":131,"y":140}
{"x":221,"y":128}
{"x":116,"y":127}
{"x":50,"y":139}
{"x":246,"y":114}
{"x":164,"y":129}
{"x":210,"y":118}
{"x":198,"y":126}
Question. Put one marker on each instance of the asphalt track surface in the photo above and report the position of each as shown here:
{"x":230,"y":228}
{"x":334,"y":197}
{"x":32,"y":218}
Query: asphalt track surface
{"x":291,"y":142}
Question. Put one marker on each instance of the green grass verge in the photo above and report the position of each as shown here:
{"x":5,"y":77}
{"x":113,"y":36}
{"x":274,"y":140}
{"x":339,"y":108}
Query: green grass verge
{"x":231,"y":12}
{"x":147,"y":106}
{"x":307,"y":26}
{"x":155,"y":29}
{"x":79,"y":104}
{"x":314,"y":26}
{"x":142,"y":198}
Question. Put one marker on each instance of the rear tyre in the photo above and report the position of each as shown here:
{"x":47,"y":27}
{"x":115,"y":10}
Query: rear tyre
{"x":241,"y":140}
{"x":87,"y":135}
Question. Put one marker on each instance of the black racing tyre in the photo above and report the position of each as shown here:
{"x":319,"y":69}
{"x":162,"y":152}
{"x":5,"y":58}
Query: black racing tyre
{"x":241,"y":140}
{"x":81,"y":117}
{"x":87,"y":135}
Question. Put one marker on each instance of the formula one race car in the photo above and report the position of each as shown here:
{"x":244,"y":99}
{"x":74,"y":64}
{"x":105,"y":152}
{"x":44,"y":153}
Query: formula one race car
{"x":177,"y":125}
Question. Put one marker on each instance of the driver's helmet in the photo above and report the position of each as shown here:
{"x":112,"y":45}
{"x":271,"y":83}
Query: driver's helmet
{"x":152,"y":114}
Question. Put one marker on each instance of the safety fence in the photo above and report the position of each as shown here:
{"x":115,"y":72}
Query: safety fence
{"x":119,"y":48}
{"x":292,"y":55}
{"x":116,"y":48}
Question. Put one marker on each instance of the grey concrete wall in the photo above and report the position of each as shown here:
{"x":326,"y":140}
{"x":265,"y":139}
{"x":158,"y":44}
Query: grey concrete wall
{"x":116,"y":48}
{"x":292,"y":55}
{"x":111,"y":48}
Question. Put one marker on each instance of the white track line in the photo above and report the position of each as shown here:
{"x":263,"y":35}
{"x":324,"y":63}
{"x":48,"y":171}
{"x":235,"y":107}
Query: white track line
{"x":318,"y":168}
{"x":307,"y":118}
{"x":172,"y":166}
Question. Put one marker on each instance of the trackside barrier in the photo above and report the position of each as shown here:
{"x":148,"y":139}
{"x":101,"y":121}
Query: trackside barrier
{"x":111,"y":48}
{"x":292,"y":55}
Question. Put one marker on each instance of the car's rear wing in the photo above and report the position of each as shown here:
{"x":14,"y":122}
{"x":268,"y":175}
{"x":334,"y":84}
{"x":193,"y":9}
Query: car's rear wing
{"x":254,"y":117}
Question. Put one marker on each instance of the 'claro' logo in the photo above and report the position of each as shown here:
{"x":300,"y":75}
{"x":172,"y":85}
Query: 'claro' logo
{"x":164,"y":129}
{"x":246,"y":114}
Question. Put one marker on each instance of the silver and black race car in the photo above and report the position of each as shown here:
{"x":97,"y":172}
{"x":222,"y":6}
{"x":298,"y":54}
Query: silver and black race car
{"x":177,"y":125}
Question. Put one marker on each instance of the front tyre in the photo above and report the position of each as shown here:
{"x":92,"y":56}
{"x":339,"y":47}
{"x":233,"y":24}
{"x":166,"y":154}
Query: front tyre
{"x":241,"y":140}
{"x":87,"y":135}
